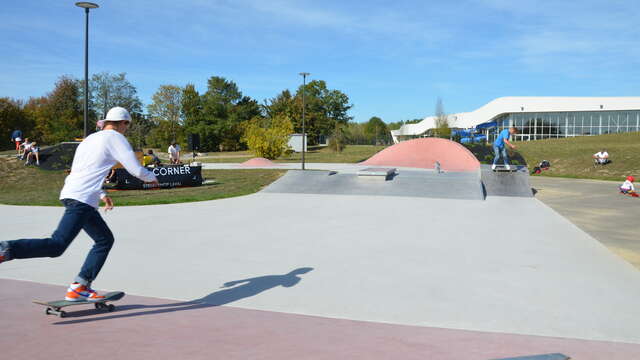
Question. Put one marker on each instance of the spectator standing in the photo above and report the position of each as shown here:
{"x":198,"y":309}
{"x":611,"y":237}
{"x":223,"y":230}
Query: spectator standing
{"x":16,"y":137}
{"x":174,"y":153}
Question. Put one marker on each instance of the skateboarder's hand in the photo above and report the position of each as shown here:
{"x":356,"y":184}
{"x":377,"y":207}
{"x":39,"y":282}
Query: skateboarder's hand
{"x":108,"y":203}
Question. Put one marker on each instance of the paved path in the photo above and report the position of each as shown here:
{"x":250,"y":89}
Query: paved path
{"x":150,"y":328}
{"x":597,"y":208}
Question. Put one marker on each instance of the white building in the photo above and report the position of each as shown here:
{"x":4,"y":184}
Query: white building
{"x":540,"y":117}
{"x":295,"y":142}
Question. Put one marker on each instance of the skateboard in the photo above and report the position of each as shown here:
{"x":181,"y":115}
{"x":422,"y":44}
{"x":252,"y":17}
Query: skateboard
{"x":55,"y":307}
{"x":632,"y":194}
{"x":503,"y":168}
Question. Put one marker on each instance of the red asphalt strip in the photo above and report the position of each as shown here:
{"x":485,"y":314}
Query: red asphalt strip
{"x":150,"y":328}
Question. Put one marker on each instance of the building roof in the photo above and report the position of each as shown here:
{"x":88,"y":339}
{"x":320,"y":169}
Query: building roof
{"x":505,"y":105}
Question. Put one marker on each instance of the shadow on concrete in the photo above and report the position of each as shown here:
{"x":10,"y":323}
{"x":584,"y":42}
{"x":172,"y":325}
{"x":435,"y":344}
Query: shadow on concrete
{"x":231,"y":291}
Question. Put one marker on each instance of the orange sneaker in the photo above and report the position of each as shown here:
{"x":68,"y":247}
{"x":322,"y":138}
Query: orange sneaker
{"x":93,"y":295}
{"x":79,"y":292}
{"x":4,"y":252}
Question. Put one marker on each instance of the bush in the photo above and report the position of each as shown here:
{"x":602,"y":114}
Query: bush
{"x":268,"y":137}
{"x":336,"y":145}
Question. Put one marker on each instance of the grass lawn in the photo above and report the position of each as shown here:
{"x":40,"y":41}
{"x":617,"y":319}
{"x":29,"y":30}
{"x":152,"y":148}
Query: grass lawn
{"x":20,"y":185}
{"x":350,"y":154}
{"x":571,"y":157}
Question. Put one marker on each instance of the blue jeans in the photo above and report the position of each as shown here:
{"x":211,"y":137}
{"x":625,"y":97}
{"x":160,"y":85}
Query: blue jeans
{"x":500,"y":151}
{"x":77,"y":216}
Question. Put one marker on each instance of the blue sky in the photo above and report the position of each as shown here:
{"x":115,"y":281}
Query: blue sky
{"x":393,"y":58}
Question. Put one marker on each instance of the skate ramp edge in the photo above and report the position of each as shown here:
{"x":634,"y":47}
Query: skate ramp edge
{"x":408,"y":183}
{"x":515,"y":184}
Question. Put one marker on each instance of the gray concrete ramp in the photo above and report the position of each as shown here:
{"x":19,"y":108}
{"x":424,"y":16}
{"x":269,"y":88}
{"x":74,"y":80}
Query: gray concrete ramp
{"x":514,"y":183}
{"x":418,"y":183}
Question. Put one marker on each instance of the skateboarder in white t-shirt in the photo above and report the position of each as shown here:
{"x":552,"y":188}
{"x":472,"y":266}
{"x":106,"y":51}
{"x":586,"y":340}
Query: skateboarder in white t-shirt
{"x":81,"y":196}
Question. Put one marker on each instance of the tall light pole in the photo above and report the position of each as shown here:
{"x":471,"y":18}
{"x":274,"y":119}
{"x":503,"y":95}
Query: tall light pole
{"x":304,"y":136}
{"x":86,"y":6}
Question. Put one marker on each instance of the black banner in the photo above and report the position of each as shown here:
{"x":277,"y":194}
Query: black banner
{"x":169,"y":176}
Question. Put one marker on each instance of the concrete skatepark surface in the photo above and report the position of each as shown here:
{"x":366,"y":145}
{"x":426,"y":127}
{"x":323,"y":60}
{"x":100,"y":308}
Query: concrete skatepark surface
{"x":478,"y":272}
{"x":412,"y":183}
{"x":498,"y":183}
{"x":597,"y":208}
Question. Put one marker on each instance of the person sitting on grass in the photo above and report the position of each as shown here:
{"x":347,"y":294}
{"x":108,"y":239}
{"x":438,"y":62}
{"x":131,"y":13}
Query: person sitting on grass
{"x":151,"y":159}
{"x":627,"y":187}
{"x":26,"y":148}
{"x":601,"y":157}
{"x":500,"y":149}
{"x":34,"y":151}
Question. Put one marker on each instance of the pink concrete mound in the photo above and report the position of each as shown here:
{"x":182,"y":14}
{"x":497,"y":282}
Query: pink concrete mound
{"x":258,"y":162}
{"x":424,"y":152}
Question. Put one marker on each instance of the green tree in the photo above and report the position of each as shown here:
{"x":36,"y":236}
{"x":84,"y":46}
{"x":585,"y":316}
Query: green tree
{"x":219,"y":114}
{"x":107,"y":90}
{"x":337,"y":141}
{"x":161,"y":134}
{"x":355,"y":134}
{"x":323,"y":109}
{"x":376,"y":131}
{"x":245,"y":110}
{"x":12,"y":117}
{"x":268,"y":137}
{"x":139,"y":130}
{"x":167,"y":106}
{"x":191,"y":106}
{"x":60,"y":118}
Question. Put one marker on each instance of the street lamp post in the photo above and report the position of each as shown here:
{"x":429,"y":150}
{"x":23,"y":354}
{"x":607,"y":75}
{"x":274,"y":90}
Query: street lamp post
{"x":304,"y":135}
{"x":86,"y":6}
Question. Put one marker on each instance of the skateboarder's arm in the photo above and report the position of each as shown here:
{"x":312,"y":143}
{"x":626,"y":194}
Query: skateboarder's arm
{"x":236,"y":282}
{"x":122,"y":152}
{"x":506,"y":141}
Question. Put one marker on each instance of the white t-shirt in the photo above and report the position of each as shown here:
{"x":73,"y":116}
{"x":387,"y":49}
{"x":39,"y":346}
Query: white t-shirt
{"x":601,"y":155}
{"x":173,"y":151}
{"x":627,"y":185}
{"x":94,"y":158}
{"x":26,"y":146}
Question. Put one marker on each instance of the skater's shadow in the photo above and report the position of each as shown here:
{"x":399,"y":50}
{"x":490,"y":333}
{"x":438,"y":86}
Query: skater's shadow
{"x":231,"y":291}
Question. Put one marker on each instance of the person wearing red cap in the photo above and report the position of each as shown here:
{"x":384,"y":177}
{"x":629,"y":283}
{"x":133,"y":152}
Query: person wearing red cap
{"x":627,"y":187}
{"x":81,"y":196}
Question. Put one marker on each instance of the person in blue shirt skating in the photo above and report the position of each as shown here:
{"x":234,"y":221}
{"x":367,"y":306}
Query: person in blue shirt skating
{"x":500,"y":149}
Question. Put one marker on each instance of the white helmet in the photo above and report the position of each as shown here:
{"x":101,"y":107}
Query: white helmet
{"x":118,"y":114}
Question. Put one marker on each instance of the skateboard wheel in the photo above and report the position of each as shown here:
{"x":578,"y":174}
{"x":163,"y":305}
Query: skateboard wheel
{"x":62,"y":314}
{"x":110,"y":307}
{"x":98,"y":306}
{"x":47,"y":311}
